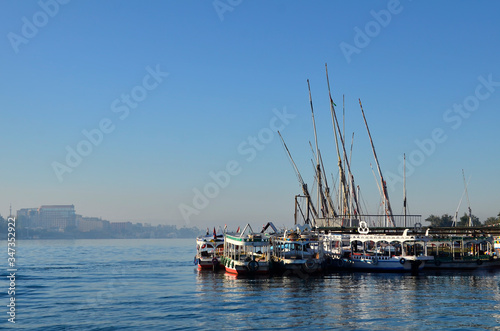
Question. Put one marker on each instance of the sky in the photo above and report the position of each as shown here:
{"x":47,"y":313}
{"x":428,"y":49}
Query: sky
{"x":166,"y":112}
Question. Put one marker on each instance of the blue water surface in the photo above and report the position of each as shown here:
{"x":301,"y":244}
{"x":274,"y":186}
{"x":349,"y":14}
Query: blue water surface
{"x":136,"y":284}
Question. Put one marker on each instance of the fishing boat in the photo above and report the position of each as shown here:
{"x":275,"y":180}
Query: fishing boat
{"x":462,"y":253}
{"x":298,"y":251}
{"x":247,"y":253}
{"x":209,"y":249}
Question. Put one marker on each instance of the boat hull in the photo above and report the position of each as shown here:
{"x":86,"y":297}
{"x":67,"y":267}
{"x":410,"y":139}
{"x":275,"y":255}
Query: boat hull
{"x":244,"y":271}
{"x":463,"y":264}
{"x":208,"y":264}
{"x":384,"y":264}
{"x":298,"y":266}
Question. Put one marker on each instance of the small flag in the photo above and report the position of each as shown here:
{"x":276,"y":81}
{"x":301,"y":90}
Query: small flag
{"x":333,"y":102}
{"x":215,"y":234}
{"x":238,"y":231}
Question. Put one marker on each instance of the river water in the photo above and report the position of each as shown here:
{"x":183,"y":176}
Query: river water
{"x":153,"y":284}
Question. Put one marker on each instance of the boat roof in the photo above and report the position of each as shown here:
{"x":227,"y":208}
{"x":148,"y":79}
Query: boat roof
{"x":248,"y":240}
{"x":383,"y":237}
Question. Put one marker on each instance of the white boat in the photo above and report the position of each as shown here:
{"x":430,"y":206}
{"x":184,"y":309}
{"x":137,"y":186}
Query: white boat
{"x":209,"y":252}
{"x":337,"y":248}
{"x":298,"y":252}
{"x":247,"y":252}
{"x":379,"y":252}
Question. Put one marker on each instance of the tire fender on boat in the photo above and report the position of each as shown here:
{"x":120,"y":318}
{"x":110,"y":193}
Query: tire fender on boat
{"x":375,"y":260}
{"x":310,"y":264}
{"x":253,"y":266}
{"x":402,"y":260}
{"x":437,"y":263}
{"x":479,"y":261}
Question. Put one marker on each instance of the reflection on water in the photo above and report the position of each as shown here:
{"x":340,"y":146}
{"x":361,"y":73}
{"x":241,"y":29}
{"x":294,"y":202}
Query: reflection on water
{"x":354,"y":300}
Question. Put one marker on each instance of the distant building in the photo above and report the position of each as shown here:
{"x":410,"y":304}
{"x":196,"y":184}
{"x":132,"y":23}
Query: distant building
{"x":120,"y":226}
{"x":87,"y":224}
{"x":56,"y":216}
{"x":28,"y":217}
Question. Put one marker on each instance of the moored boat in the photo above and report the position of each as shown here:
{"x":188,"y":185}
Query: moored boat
{"x":298,"y":252}
{"x":462,"y":253}
{"x":209,"y":251}
{"x":247,"y":253}
{"x":384,"y":252}
{"x":336,"y":247}
{"x":496,"y":246}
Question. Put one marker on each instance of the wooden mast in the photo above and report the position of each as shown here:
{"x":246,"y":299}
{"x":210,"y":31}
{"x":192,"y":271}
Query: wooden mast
{"x":388,"y":209}
{"x":468,"y":201}
{"x":337,"y":128}
{"x":321,"y":200}
{"x":404,"y":185}
{"x":343,"y":194}
{"x":302,"y":183}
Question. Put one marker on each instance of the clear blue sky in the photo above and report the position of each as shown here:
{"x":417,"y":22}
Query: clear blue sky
{"x":66,"y":68}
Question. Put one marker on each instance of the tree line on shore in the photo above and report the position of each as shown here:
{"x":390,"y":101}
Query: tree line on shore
{"x":447,"y":220}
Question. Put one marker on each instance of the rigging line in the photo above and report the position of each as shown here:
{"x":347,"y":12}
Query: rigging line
{"x":290,"y":159}
{"x":376,"y":181}
{"x":455,"y":219}
{"x":468,"y":201}
{"x":352,"y":142}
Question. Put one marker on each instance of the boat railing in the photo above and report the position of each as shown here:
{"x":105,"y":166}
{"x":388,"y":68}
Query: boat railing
{"x":410,"y":221}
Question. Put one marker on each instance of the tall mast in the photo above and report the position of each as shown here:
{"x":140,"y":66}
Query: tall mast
{"x":337,"y":127}
{"x":318,"y":168}
{"x":468,"y":202}
{"x":455,"y":219}
{"x":343,"y":122}
{"x":342,"y":181}
{"x":404,"y":185}
{"x":329,"y":201}
{"x":388,"y":209}
{"x":301,"y":181}
{"x":326,"y":206}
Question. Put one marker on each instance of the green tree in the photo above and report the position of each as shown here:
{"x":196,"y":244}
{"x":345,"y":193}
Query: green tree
{"x":434,"y":220}
{"x":443,"y":221}
{"x":492,"y":220}
{"x":464,"y":220}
